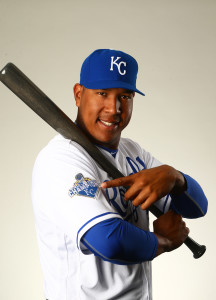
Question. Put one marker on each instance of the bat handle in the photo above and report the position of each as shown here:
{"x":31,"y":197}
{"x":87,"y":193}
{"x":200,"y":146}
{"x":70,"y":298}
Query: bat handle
{"x":197,"y":249}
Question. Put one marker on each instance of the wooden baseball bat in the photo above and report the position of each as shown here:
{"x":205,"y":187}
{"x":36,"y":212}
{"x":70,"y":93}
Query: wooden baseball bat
{"x":32,"y":96}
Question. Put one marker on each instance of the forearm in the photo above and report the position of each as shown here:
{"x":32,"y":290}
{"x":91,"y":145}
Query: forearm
{"x":120,"y":242}
{"x":191,"y":203}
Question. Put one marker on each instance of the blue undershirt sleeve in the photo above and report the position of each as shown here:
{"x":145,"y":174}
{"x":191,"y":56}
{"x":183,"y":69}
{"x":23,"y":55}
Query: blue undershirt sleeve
{"x":120,"y":242}
{"x":192,"y":203}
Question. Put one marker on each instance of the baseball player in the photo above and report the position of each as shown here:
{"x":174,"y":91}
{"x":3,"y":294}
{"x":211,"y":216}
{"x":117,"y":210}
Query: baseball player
{"x":93,"y":235}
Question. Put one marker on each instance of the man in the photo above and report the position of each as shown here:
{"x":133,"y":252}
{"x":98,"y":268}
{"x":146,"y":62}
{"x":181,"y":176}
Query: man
{"x":94,"y":237}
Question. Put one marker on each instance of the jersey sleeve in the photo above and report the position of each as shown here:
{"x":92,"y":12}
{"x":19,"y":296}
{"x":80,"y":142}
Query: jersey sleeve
{"x":66,"y":190}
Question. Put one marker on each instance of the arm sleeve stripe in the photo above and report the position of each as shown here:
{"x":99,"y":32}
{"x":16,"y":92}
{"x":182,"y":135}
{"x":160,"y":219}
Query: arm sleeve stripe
{"x":195,"y":203}
{"x":97,"y":253}
{"x":165,"y":203}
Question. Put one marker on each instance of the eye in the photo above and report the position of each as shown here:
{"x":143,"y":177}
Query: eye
{"x":101,"y":93}
{"x":125,"y":97}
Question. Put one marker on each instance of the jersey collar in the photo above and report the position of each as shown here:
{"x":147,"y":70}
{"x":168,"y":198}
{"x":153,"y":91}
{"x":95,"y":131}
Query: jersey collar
{"x":113,"y":152}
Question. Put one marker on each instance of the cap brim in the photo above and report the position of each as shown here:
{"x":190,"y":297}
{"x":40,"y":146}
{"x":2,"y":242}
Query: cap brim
{"x":111,"y":84}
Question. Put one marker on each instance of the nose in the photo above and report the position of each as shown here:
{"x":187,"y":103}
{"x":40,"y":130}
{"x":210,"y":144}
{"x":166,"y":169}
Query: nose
{"x":113,"y":105}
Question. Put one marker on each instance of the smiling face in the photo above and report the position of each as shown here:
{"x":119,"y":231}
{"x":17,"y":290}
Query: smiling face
{"x":103,"y":114}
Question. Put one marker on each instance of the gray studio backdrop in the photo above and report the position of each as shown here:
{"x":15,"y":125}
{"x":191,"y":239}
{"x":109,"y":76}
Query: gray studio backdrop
{"x":174,"y":43}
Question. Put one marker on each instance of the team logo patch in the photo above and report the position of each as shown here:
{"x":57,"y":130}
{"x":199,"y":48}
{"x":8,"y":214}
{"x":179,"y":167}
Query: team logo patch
{"x":84,"y":187}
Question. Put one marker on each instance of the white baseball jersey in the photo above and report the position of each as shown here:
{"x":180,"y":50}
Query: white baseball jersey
{"x":67,"y":201}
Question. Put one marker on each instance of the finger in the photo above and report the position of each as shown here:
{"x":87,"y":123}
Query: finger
{"x":184,"y":224}
{"x":132,"y":192}
{"x":188,"y":230}
{"x":141,"y":197}
{"x":122,"y":181}
{"x":149,"y":201}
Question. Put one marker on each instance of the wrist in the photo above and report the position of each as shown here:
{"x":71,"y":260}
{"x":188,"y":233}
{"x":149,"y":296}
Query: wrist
{"x":180,"y":184}
{"x":164,"y":244}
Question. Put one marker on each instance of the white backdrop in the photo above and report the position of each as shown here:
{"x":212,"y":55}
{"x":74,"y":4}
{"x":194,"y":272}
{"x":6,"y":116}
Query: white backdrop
{"x":174,"y":43}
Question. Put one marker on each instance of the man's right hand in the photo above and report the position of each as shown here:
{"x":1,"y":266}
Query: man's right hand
{"x":171,"y":232}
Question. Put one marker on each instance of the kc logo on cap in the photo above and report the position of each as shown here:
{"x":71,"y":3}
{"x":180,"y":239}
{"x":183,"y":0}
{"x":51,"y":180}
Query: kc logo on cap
{"x":108,"y":68}
{"x":114,"y":62}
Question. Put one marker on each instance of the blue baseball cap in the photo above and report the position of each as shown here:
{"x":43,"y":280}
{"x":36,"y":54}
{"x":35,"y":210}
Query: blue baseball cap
{"x":107,"y":68}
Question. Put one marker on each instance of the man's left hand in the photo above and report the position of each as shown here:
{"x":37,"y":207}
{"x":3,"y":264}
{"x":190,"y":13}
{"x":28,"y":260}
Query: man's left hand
{"x":150,"y":185}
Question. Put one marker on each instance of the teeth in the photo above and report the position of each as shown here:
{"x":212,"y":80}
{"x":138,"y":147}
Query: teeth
{"x":106,"y":123}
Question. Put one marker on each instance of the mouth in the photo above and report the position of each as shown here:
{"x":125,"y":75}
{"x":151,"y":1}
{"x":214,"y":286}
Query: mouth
{"x":110,"y":124}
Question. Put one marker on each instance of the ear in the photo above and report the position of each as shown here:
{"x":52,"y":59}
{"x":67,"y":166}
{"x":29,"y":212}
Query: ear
{"x":77,"y":93}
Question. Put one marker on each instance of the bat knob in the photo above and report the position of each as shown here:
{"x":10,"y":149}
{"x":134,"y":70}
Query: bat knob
{"x":200,"y":251}
{"x":197,"y":249}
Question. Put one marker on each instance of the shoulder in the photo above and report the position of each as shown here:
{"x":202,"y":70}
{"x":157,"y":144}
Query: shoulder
{"x":132,"y":148}
{"x":60,"y":154}
{"x":60,"y":147}
{"x":130,"y":145}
